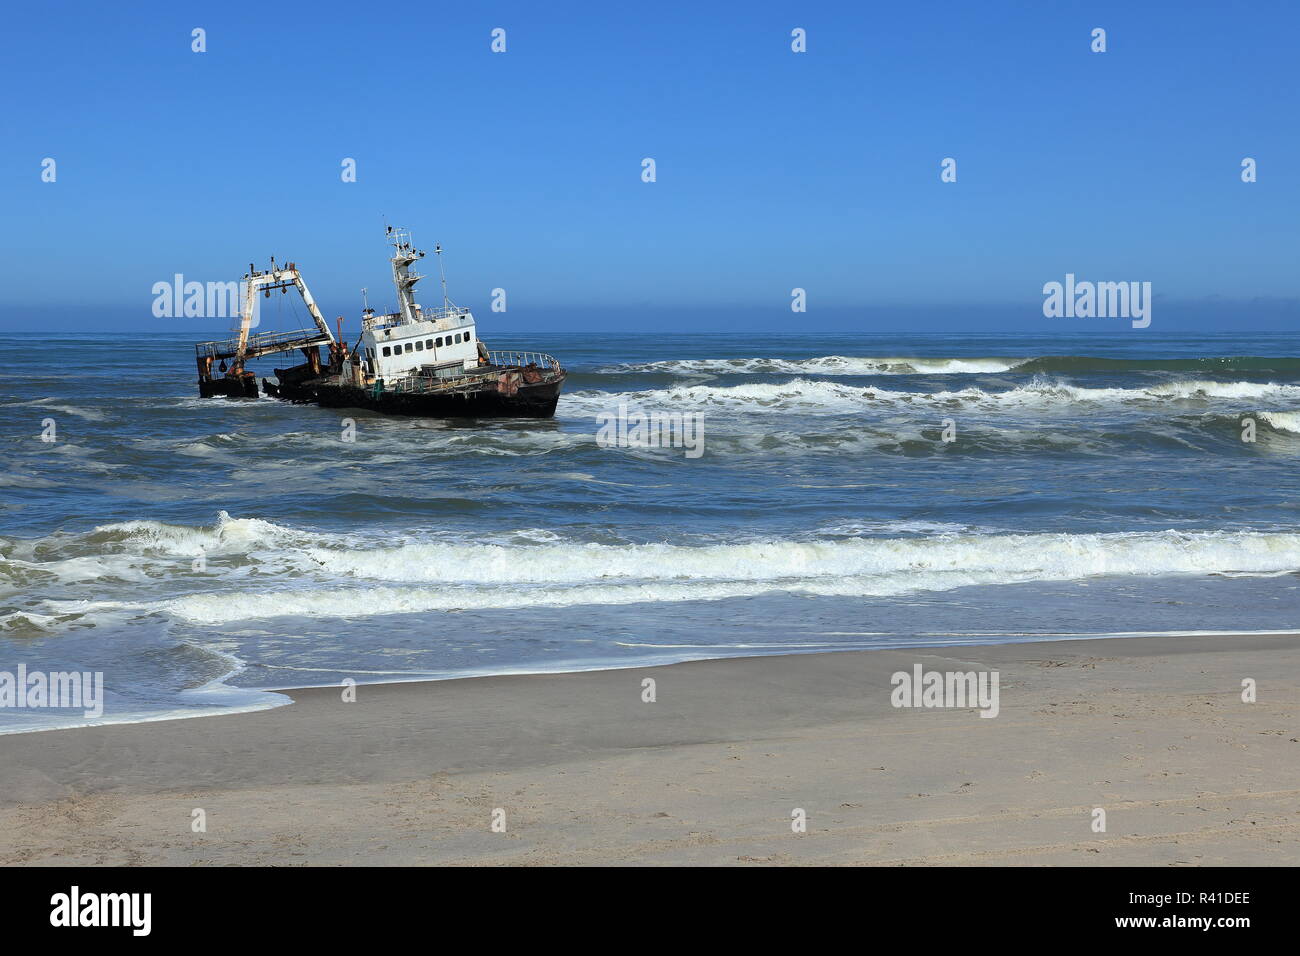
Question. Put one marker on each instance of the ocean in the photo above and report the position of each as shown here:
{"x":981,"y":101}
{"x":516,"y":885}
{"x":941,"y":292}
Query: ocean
{"x":850,"y":491}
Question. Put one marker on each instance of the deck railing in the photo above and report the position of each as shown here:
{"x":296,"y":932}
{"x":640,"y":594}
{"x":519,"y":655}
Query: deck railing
{"x":437,"y":314}
{"x":263,"y":342}
{"x":459,"y":316}
{"x":508,"y":357}
{"x":427,"y":380}
{"x":424,"y":383}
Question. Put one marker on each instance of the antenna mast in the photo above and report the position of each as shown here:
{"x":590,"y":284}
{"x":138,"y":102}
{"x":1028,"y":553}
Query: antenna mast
{"x":446,"y":302}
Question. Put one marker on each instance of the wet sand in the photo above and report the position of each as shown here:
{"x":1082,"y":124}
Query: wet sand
{"x":583,"y":771}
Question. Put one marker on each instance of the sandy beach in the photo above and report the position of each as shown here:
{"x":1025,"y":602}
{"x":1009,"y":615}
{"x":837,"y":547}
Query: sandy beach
{"x":1152,"y":730}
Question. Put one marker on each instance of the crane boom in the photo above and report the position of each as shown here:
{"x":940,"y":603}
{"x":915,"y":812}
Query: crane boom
{"x":277,"y":277}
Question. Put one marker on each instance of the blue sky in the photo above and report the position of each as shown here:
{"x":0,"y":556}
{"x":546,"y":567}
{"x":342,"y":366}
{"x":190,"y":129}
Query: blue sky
{"x":775,"y":170}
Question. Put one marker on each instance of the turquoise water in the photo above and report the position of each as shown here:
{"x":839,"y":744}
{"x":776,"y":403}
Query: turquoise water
{"x":201,"y":552}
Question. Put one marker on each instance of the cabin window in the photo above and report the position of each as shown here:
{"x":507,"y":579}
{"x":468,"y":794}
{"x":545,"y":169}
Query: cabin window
{"x":410,"y":347}
{"x":458,"y":338}
{"x":419,"y":346}
{"x":467,"y":336}
{"x":428,"y":343}
{"x":387,"y":351}
{"x":440,"y":341}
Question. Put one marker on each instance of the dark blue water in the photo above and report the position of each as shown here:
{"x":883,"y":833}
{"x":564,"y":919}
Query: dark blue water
{"x":197,"y":551}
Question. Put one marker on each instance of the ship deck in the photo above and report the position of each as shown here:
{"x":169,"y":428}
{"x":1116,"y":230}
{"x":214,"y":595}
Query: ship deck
{"x":263,"y":343}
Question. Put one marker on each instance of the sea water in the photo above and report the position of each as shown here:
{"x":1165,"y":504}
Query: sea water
{"x":849,"y":492}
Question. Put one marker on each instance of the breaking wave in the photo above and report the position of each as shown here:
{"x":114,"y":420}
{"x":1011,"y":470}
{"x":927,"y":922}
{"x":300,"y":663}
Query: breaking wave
{"x":846,"y":365}
{"x":419,"y":578}
{"x":316,"y":574}
{"x":1283,"y":421}
{"x":823,"y":365}
{"x":1227,"y":364}
{"x":808,"y":396}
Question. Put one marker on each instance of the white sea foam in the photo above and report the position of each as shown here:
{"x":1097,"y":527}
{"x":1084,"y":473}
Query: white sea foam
{"x":436,"y":577}
{"x":268,"y":570}
{"x":227,"y":535}
{"x":822,"y":365}
{"x":879,"y":528}
{"x":1233,"y":390}
{"x":1055,"y":555}
{"x":28,"y":622}
{"x":813,"y":397}
{"x":1283,"y":421}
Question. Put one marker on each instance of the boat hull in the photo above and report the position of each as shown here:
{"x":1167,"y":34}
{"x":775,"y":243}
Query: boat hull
{"x":230,"y":386}
{"x":528,"y":401}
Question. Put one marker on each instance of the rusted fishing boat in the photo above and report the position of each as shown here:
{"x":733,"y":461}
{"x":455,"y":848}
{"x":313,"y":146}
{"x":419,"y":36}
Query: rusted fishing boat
{"x":415,"y":361}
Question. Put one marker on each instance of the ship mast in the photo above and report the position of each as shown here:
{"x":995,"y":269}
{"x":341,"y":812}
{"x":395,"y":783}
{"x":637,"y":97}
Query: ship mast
{"x":446,"y":302}
{"x":403,"y":278}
